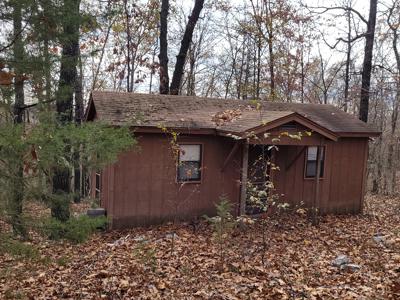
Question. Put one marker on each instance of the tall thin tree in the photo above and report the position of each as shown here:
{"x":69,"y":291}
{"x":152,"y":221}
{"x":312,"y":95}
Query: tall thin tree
{"x":65,"y":96}
{"x":18,"y":53}
{"x":163,"y":56}
{"x":367,"y":63}
{"x":185,"y":43}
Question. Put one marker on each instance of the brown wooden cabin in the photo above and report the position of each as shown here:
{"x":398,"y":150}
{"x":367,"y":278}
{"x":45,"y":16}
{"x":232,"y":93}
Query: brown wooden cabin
{"x":220,"y":142}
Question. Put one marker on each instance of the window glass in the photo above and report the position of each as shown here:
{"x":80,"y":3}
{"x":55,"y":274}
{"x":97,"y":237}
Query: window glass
{"x":189,"y":168}
{"x":311,"y":163}
{"x":190,"y":152}
{"x":97,"y":185}
{"x":312,"y":153}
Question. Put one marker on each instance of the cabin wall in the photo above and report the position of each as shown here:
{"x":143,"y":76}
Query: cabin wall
{"x":141,"y":188}
{"x":342,"y":186}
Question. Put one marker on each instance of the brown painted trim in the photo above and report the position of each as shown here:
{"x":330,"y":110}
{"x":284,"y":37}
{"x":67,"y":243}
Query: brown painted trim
{"x":302,"y":121}
{"x":360,"y":134}
{"x":364,"y":176}
{"x":243,"y":179}
{"x":152,"y":129}
{"x":281,"y":121}
{"x":316,"y":206}
{"x":230,"y":155}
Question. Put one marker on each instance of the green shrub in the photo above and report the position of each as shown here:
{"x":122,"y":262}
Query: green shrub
{"x":63,"y":261}
{"x":76,"y":229}
{"x":146,"y":255}
{"x":17,"y":248}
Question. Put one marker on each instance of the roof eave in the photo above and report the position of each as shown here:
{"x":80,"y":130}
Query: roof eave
{"x":181,"y":130}
{"x":296,"y":117}
{"x":365,"y":134}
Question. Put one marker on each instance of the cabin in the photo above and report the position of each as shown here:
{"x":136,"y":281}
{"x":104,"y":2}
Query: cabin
{"x":194,"y":150}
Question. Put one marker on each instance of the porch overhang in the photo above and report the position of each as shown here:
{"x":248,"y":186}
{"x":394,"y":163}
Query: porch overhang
{"x":264,"y":127}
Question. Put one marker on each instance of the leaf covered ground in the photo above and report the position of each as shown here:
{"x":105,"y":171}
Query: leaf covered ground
{"x":152,"y":263}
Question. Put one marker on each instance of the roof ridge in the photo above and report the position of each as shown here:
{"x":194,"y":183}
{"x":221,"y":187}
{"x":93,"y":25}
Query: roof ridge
{"x":250,"y":101}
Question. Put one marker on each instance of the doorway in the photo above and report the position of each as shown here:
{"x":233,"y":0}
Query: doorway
{"x":258,"y":177}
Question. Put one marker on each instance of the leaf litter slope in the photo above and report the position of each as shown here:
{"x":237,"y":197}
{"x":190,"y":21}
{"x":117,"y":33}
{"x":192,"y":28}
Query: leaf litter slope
{"x":141,"y":264}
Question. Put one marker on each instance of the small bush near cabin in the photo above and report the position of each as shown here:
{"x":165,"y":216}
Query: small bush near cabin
{"x":76,"y":229}
{"x":14,"y":247}
{"x":146,"y":255}
{"x":223,"y":225}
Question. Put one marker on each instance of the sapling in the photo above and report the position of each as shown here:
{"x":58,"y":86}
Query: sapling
{"x":223,"y":225}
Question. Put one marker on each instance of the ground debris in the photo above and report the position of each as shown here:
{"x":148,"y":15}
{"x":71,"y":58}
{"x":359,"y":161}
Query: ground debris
{"x":146,"y":263}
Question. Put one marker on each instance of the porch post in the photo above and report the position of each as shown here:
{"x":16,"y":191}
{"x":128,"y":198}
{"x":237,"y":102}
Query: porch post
{"x":315,"y":208}
{"x":243,"y":186}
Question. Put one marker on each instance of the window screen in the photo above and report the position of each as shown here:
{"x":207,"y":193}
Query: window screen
{"x":311,"y":163}
{"x":189,"y":168}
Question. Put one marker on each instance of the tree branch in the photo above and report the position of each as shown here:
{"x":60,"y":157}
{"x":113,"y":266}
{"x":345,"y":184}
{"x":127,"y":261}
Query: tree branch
{"x":345,"y":8}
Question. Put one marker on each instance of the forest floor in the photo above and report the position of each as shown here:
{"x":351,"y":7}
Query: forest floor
{"x":152,"y":263}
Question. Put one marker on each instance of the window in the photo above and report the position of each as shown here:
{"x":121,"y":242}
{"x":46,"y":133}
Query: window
{"x":289,"y":126}
{"x":189,"y":168}
{"x":97,"y":185}
{"x":311,"y":162}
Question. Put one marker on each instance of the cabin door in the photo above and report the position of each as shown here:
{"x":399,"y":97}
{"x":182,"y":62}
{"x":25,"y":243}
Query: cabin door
{"x":258,"y":177}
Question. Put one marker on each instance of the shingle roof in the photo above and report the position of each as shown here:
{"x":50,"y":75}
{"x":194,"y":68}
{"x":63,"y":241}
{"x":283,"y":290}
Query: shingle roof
{"x":149,"y":110}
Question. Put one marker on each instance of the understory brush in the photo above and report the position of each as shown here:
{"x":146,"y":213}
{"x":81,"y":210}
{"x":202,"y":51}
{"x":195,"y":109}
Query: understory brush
{"x":14,"y":247}
{"x":76,"y":229}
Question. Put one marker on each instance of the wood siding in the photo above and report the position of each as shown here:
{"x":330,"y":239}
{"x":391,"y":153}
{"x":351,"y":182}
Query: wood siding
{"x":342,"y":185}
{"x":141,"y":188}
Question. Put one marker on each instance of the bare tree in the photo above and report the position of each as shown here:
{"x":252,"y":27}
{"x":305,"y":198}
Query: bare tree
{"x":367,"y":63}
{"x":163,"y":56}
{"x":393,"y":22}
{"x":185,"y":44}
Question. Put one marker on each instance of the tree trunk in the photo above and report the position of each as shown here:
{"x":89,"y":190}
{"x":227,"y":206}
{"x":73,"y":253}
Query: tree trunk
{"x":18,"y":181}
{"x":65,"y":99}
{"x":128,"y":46}
{"x":246,"y":76}
{"x":302,"y":81}
{"x":271,"y":67}
{"x":367,"y":64}
{"x":47,"y":69}
{"x":259,"y":46}
{"x":69,"y":60}
{"x":163,"y":56}
{"x":79,"y":112}
{"x":190,"y":89}
{"x":185,"y":43}
{"x":152,"y":68}
{"x":79,"y":109}
{"x":348,"y":58}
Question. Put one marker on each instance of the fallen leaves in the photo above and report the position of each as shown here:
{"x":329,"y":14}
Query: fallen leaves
{"x":226,"y":116}
{"x":141,"y":264}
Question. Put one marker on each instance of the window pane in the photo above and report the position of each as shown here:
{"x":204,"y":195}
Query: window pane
{"x":189,"y":153}
{"x":312,"y":153}
{"x":97,"y":185}
{"x":311,"y":168}
{"x":311,"y":164}
{"x":97,"y":181}
{"x":189,"y":170}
